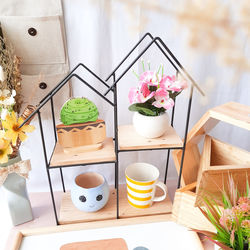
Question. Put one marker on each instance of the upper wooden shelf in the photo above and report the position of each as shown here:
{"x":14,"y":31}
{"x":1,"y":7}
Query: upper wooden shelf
{"x":130,"y":140}
{"x":105,"y":154}
{"x":233,"y":113}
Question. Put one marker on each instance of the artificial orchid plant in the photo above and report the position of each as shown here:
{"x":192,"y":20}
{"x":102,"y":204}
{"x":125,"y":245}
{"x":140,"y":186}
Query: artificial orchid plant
{"x":155,"y":92}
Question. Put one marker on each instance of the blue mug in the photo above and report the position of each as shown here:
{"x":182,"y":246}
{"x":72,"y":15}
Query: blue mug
{"x":90,"y":192}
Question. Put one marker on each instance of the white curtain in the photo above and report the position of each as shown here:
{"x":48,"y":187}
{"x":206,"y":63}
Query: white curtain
{"x":100,"y":34}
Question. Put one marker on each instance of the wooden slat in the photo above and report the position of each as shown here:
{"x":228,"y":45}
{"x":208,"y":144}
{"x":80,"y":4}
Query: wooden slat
{"x":17,"y":241}
{"x":225,"y":154}
{"x":205,"y":159}
{"x":105,"y":154}
{"x":233,"y":113}
{"x":185,"y":213}
{"x":190,"y":165}
{"x":129,"y":139}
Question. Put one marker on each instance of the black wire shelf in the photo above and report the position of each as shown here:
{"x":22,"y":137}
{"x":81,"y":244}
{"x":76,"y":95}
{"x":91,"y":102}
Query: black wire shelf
{"x":115,"y":140}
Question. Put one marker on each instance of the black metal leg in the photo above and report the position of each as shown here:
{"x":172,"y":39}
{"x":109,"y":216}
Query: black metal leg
{"x":116,"y":149}
{"x":62,"y":180}
{"x":47,"y":166}
{"x":166,"y":171}
{"x":172,"y":124}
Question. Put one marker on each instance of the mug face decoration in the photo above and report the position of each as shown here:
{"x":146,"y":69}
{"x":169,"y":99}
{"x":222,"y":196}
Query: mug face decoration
{"x":90,"y":192}
{"x":142,"y":179}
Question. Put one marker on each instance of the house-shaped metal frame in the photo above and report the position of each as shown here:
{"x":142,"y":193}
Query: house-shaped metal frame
{"x":49,"y":98}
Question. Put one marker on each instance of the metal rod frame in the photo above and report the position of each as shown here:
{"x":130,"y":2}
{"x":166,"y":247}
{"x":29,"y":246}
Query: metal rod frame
{"x":179,"y":70}
{"x":49,"y":97}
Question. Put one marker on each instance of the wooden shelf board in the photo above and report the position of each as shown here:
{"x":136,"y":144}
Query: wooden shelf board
{"x":233,"y":113}
{"x":105,"y":154}
{"x":129,"y":139}
{"x":70,"y":214}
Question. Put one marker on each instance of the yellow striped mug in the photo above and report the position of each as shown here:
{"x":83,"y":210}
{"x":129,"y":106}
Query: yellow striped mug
{"x":142,"y":179}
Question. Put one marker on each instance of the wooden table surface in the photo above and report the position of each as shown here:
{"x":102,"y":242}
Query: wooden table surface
{"x":44,"y":216}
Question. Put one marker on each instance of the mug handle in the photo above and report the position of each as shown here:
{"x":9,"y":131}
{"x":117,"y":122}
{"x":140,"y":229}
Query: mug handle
{"x":162,"y":186}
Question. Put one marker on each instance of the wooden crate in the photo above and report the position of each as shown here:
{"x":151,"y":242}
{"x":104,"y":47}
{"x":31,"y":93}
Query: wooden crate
{"x":232,"y":113}
{"x":220,"y":160}
{"x":184,"y":211}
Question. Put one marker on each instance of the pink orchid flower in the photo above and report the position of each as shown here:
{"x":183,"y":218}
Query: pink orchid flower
{"x":142,"y":98}
{"x":161,"y":92}
{"x":163,"y":102}
{"x":140,"y":95}
{"x":172,"y":84}
{"x":133,"y":95}
{"x":149,"y":77}
{"x":144,"y":89}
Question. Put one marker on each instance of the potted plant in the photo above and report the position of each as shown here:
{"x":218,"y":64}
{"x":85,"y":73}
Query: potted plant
{"x":232,"y":222}
{"x":154,"y":95}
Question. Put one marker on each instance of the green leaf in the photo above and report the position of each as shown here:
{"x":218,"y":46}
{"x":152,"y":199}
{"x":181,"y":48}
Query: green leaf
{"x":138,"y":107}
{"x":247,"y":187}
{"x":146,"y":108}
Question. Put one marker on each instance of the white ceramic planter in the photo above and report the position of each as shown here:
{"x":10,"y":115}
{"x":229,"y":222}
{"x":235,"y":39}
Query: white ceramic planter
{"x":151,"y":126}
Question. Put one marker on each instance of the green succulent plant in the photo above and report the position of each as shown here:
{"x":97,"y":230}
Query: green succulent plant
{"x":78,"y":110}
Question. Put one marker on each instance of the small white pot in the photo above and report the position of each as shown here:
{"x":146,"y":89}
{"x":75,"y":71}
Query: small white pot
{"x":151,"y":126}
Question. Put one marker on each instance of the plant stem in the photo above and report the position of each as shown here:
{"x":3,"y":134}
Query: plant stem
{"x":149,"y":65}
{"x":159,"y":69}
{"x":143,"y":67}
{"x":136,"y":74}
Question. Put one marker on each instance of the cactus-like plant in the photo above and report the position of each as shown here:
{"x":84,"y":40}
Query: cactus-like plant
{"x":78,"y":110}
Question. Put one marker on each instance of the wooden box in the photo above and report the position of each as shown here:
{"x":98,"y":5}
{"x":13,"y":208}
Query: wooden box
{"x":81,"y":134}
{"x":232,"y":113}
{"x":220,"y":160}
{"x":184,"y":211}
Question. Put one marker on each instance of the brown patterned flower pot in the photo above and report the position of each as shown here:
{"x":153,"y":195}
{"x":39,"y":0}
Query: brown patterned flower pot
{"x":81,"y":134}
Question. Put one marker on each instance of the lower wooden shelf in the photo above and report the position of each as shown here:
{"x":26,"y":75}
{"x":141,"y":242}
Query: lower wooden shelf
{"x":70,"y":214}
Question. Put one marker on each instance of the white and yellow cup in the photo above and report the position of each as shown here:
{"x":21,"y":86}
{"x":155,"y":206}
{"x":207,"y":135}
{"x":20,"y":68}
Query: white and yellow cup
{"x":142,"y":180}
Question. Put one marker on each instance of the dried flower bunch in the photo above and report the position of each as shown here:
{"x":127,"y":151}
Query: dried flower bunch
{"x":10,"y":79}
{"x":233,"y":223}
{"x":11,"y":134}
{"x":155,"y":92}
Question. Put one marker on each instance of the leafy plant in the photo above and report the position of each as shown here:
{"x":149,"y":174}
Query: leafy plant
{"x":233,"y":223}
